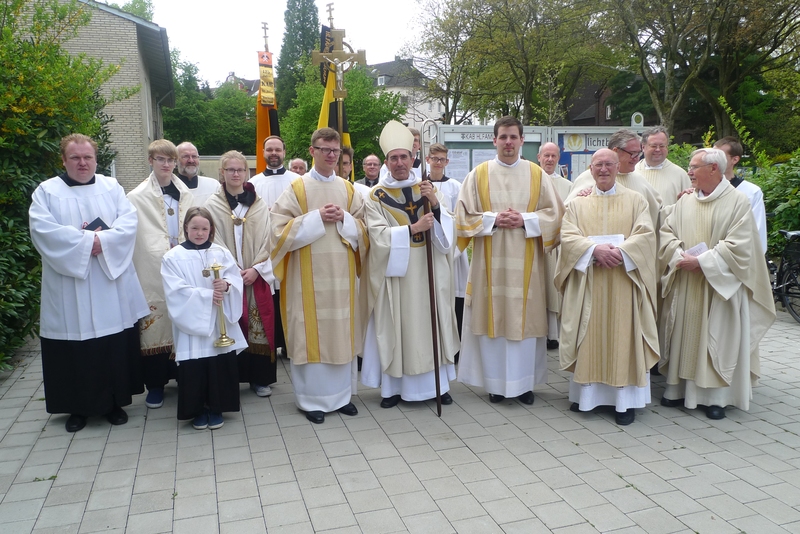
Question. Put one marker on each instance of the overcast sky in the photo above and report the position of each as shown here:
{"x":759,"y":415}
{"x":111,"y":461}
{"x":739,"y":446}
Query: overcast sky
{"x":224,"y":36}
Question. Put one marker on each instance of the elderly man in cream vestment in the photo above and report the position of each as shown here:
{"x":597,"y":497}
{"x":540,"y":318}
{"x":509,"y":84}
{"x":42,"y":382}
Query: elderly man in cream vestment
{"x":606,"y":272}
{"x":717,"y":297}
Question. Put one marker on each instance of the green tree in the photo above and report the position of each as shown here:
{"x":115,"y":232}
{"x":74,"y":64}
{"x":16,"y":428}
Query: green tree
{"x":140,"y":8}
{"x":368,"y":109}
{"x":214,"y":120}
{"x":300,"y":38}
{"x":46,"y":94}
{"x":230,"y":121}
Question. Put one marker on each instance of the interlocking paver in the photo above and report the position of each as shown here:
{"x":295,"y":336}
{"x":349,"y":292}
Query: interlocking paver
{"x":482,"y":467}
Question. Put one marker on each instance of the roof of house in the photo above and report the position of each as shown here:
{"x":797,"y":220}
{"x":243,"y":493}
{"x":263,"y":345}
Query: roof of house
{"x":154,"y":45}
{"x":399,"y":73}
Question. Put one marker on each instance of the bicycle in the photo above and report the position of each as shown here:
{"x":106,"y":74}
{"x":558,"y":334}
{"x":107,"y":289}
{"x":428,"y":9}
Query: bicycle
{"x":785,"y":277}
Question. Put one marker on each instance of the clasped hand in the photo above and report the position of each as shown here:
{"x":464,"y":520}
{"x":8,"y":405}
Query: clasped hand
{"x":607,"y":256}
{"x":331,"y":213}
{"x":509,"y":218}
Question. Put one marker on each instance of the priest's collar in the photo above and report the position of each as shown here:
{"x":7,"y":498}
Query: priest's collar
{"x":506,"y":164}
{"x":73,"y":183}
{"x":371,"y":183}
{"x":247,"y":197}
{"x":188,"y":245}
{"x":191,"y":183}
{"x":391,"y":183}
{"x":270,"y":172}
{"x":654,"y":167}
{"x":171,"y":190}
{"x":716,"y":193}
{"x":317,"y":176}
{"x":612,"y":191}
{"x":443,"y":179}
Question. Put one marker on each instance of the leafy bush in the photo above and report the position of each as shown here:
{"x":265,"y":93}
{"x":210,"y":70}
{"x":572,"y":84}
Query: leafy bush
{"x":781,"y":186}
{"x":44,"y":94}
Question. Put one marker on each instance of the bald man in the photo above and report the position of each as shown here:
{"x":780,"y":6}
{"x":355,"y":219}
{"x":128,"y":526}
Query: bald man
{"x":201,"y":187}
{"x":548,"y":157}
{"x":606,"y":271}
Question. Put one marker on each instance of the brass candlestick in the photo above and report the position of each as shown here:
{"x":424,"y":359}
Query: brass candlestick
{"x":223,"y":340}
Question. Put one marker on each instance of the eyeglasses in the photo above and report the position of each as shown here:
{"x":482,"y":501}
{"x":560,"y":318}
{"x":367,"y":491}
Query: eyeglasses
{"x":328,"y":151}
{"x":660,"y":147}
{"x":633,"y":155}
{"x":162,"y":160}
{"x":604,"y":165}
{"x":437,"y":160}
{"x":235,"y":171}
{"x":695,"y":167}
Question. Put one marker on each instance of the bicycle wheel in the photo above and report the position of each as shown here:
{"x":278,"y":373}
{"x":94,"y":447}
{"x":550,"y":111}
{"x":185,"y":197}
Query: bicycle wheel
{"x":790,"y":291}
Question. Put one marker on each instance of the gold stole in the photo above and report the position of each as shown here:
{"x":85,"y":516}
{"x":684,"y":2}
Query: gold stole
{"x":307,"y":278}
{"x":482,"y":182}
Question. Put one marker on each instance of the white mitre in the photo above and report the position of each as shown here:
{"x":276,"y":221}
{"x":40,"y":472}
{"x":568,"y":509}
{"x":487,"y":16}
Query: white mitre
{"x":394,"y":136}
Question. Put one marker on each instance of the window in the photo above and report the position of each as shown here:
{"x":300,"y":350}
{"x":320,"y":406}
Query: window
{"x":381,"y":80}
{"x":608,"y":113}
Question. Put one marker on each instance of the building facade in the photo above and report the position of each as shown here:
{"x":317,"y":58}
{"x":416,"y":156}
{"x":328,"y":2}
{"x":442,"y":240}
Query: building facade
{"x":141,"y":49}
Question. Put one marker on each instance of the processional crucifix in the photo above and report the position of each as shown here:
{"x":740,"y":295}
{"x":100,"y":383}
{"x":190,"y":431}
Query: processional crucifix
{"x":340,"y":58}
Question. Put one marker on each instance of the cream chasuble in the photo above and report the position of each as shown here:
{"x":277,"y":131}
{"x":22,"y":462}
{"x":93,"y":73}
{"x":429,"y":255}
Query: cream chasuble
{"x":506,"y":292}
{"x":399,"y":281}
{"x":563,"y":188}
{"x":158,"y":232}
{"x":712,"y":321}
{"x":608,"y":326}
{"x":318,"y":265}
{"x":669,"y":180}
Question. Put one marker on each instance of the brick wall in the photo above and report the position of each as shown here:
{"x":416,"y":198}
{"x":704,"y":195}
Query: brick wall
{"x":114,"y":40}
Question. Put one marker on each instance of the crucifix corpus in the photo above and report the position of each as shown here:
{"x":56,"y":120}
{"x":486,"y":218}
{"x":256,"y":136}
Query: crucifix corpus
{"x":340,"y":59}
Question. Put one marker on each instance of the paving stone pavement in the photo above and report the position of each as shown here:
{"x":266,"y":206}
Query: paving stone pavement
{"x":481,"y":468}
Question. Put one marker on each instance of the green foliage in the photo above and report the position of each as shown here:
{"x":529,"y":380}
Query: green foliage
{"x":44,"y":95}
{"x":781,"y":187}
{"x":215,"y":121}
{"x":140,"y":8}
{"x":368,"y":109}
{"x":681,"y":154}
{"x":300,"y":37}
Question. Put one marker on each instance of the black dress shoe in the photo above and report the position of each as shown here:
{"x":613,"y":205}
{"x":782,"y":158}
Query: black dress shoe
{"x":496,"y":398}
{"x":526,"y":398}
{"x":447,"y":399}
{"x":625,"y":418}
{"x":552,"y":344}
{"x":75,"y":423}
{"x":316,"y":417}
{"x":574,"y":407}
{"x":349,"y":409}
{"x":715,"y":412}
{"x":671,"y":403}
{"x":390,"y":402}
{"x":117,"y":416}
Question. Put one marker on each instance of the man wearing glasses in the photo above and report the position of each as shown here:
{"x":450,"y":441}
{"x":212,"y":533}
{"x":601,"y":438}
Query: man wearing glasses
{"x":666,"y":177}
{"x":318,"y":241}
{"x":372,"y":171}
{"x":717,"y":297}
{"x":625,"y":143}
{"x":161,"y":202}
{"x":606,"y":272}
